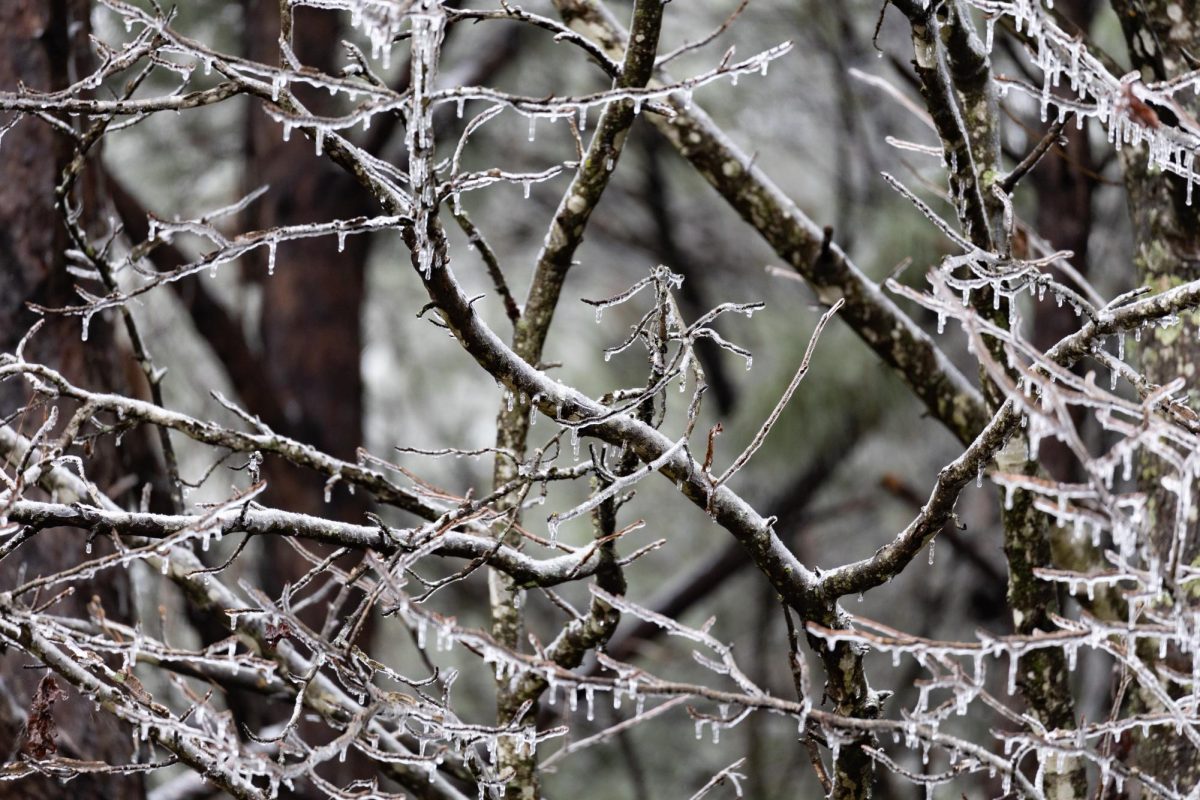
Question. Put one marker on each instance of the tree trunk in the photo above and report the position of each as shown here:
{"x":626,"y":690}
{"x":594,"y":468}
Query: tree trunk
{"x":1160,"y":35}
{"x":41,"y":45}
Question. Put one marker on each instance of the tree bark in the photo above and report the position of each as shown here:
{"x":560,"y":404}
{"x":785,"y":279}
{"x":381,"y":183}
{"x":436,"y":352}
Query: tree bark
{"x":41,"y":45}
{"x":1160,"y":34}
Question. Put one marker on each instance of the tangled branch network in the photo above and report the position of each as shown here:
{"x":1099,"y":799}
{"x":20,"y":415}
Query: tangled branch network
{"x":304,"y":648}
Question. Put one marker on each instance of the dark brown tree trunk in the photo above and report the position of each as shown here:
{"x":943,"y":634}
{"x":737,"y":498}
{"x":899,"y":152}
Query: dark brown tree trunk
{"x":1063,"y":183}
{"x":310,"y":327}
{"x":43,"y":45}
{"x":312,"y":303}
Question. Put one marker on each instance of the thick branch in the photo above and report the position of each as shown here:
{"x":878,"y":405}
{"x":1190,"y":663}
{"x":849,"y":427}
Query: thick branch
{"x":270,"y":522}
{"x":893,"y":557}
{"x":798,"y":241}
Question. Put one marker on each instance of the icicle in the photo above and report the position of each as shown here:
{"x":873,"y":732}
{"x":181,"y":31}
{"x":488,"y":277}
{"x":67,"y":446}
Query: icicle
{"x":271,"y":257}
{"x":319,"y":139}
{"x":425,"y":261}
{"x":341,"y":237}
{"x":931,"y":543}
{"x":525,"y":184}
{"x":532,"y":128}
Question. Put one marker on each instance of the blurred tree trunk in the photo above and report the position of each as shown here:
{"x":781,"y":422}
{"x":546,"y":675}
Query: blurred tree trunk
{"x":1164,"y":40}
{"x":310,"y":326}
{"x":45,"y":46}
{"x":1063,"y":184}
